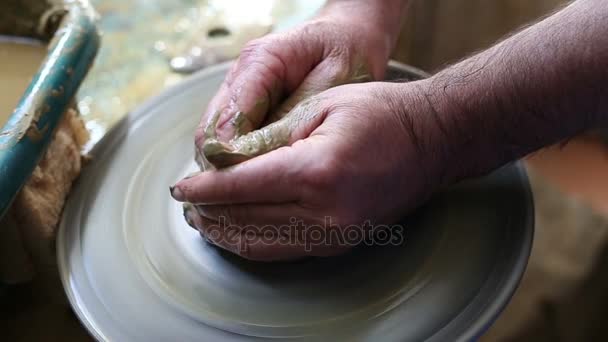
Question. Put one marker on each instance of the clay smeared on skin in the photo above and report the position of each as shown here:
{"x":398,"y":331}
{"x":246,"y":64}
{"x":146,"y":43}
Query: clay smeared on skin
{"x":247,"y":144}
{"x":255,"y":143}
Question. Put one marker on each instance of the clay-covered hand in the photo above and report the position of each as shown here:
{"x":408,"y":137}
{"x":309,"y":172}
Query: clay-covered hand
{"x":356,"y":155}
{"x":348,"y":41}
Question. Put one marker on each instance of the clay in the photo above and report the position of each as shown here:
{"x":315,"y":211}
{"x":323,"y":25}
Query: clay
{"x":248,"y":144}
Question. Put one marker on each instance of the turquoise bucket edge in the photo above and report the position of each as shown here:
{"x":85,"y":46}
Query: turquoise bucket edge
{"x":29,"y":130}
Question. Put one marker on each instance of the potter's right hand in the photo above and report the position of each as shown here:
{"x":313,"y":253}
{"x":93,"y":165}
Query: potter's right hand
{"x":347,"y":40}
{"x":355,"y":158}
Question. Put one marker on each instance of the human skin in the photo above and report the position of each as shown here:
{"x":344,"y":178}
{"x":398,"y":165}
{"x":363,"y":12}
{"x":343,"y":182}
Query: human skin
{"x":348,"y":41}
{"x":374,"y":151}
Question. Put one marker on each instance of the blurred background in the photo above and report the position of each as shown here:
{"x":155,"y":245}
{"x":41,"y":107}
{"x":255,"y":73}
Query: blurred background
{"x":564,"y":293}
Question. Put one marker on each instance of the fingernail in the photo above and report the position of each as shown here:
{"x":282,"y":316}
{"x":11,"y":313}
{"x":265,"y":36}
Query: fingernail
{"x":176,"y":193}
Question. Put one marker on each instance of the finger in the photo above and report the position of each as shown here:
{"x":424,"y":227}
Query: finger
{"x":330,"y":73}
{"x":266,"y":247}
{"x":255,"y":214}
{"x":295,"y":118}
{"x":191,"y":215}
{"x":296,"y":125}
{"x":214,"y":232}
{"x":257,"y":249}
{"x":223,"y":118}
{"x":265,"y":244}
{"x":224,"y":237}
{"x":257,"y":81}
{"x":271,"y":178}
{"x":246,"y":242}
{"x":269,"y":243}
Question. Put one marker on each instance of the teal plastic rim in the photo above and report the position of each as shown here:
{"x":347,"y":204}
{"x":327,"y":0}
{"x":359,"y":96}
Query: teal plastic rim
{"x":24,"y":138}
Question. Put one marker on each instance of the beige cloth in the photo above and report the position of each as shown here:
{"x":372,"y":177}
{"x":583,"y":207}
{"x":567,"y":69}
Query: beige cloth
{"x":35,"y":308}
{"x":28,"y":230}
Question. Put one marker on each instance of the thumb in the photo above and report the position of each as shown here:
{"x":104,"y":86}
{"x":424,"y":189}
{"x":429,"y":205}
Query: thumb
{"x":295,"y":119}
{"x":295,"y":125}
{"x":330,"y":73}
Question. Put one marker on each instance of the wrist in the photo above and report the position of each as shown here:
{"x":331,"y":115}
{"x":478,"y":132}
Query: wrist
{"x":423,"y":136}
{"x":450,"y":142}
{"x":380,"y":20}
{"x":464,"y":127}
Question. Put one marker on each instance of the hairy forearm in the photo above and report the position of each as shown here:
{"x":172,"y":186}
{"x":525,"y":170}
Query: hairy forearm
{"x":542,"y":85}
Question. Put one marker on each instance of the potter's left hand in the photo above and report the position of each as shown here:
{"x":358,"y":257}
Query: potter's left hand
{"x":354,"y":154}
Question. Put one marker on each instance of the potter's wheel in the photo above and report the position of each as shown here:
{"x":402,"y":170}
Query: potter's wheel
{"x":134,"y":270}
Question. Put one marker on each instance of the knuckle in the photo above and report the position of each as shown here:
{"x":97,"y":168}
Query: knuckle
{"x":252,"y":47}
{"x":333,"y":34}
{"x":258,"y":49}
{"x":265,"y":57}
{"x":320,"y":28}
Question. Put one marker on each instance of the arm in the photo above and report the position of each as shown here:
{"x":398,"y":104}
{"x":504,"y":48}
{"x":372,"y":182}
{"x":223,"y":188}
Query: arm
{"x":541,"y":85}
